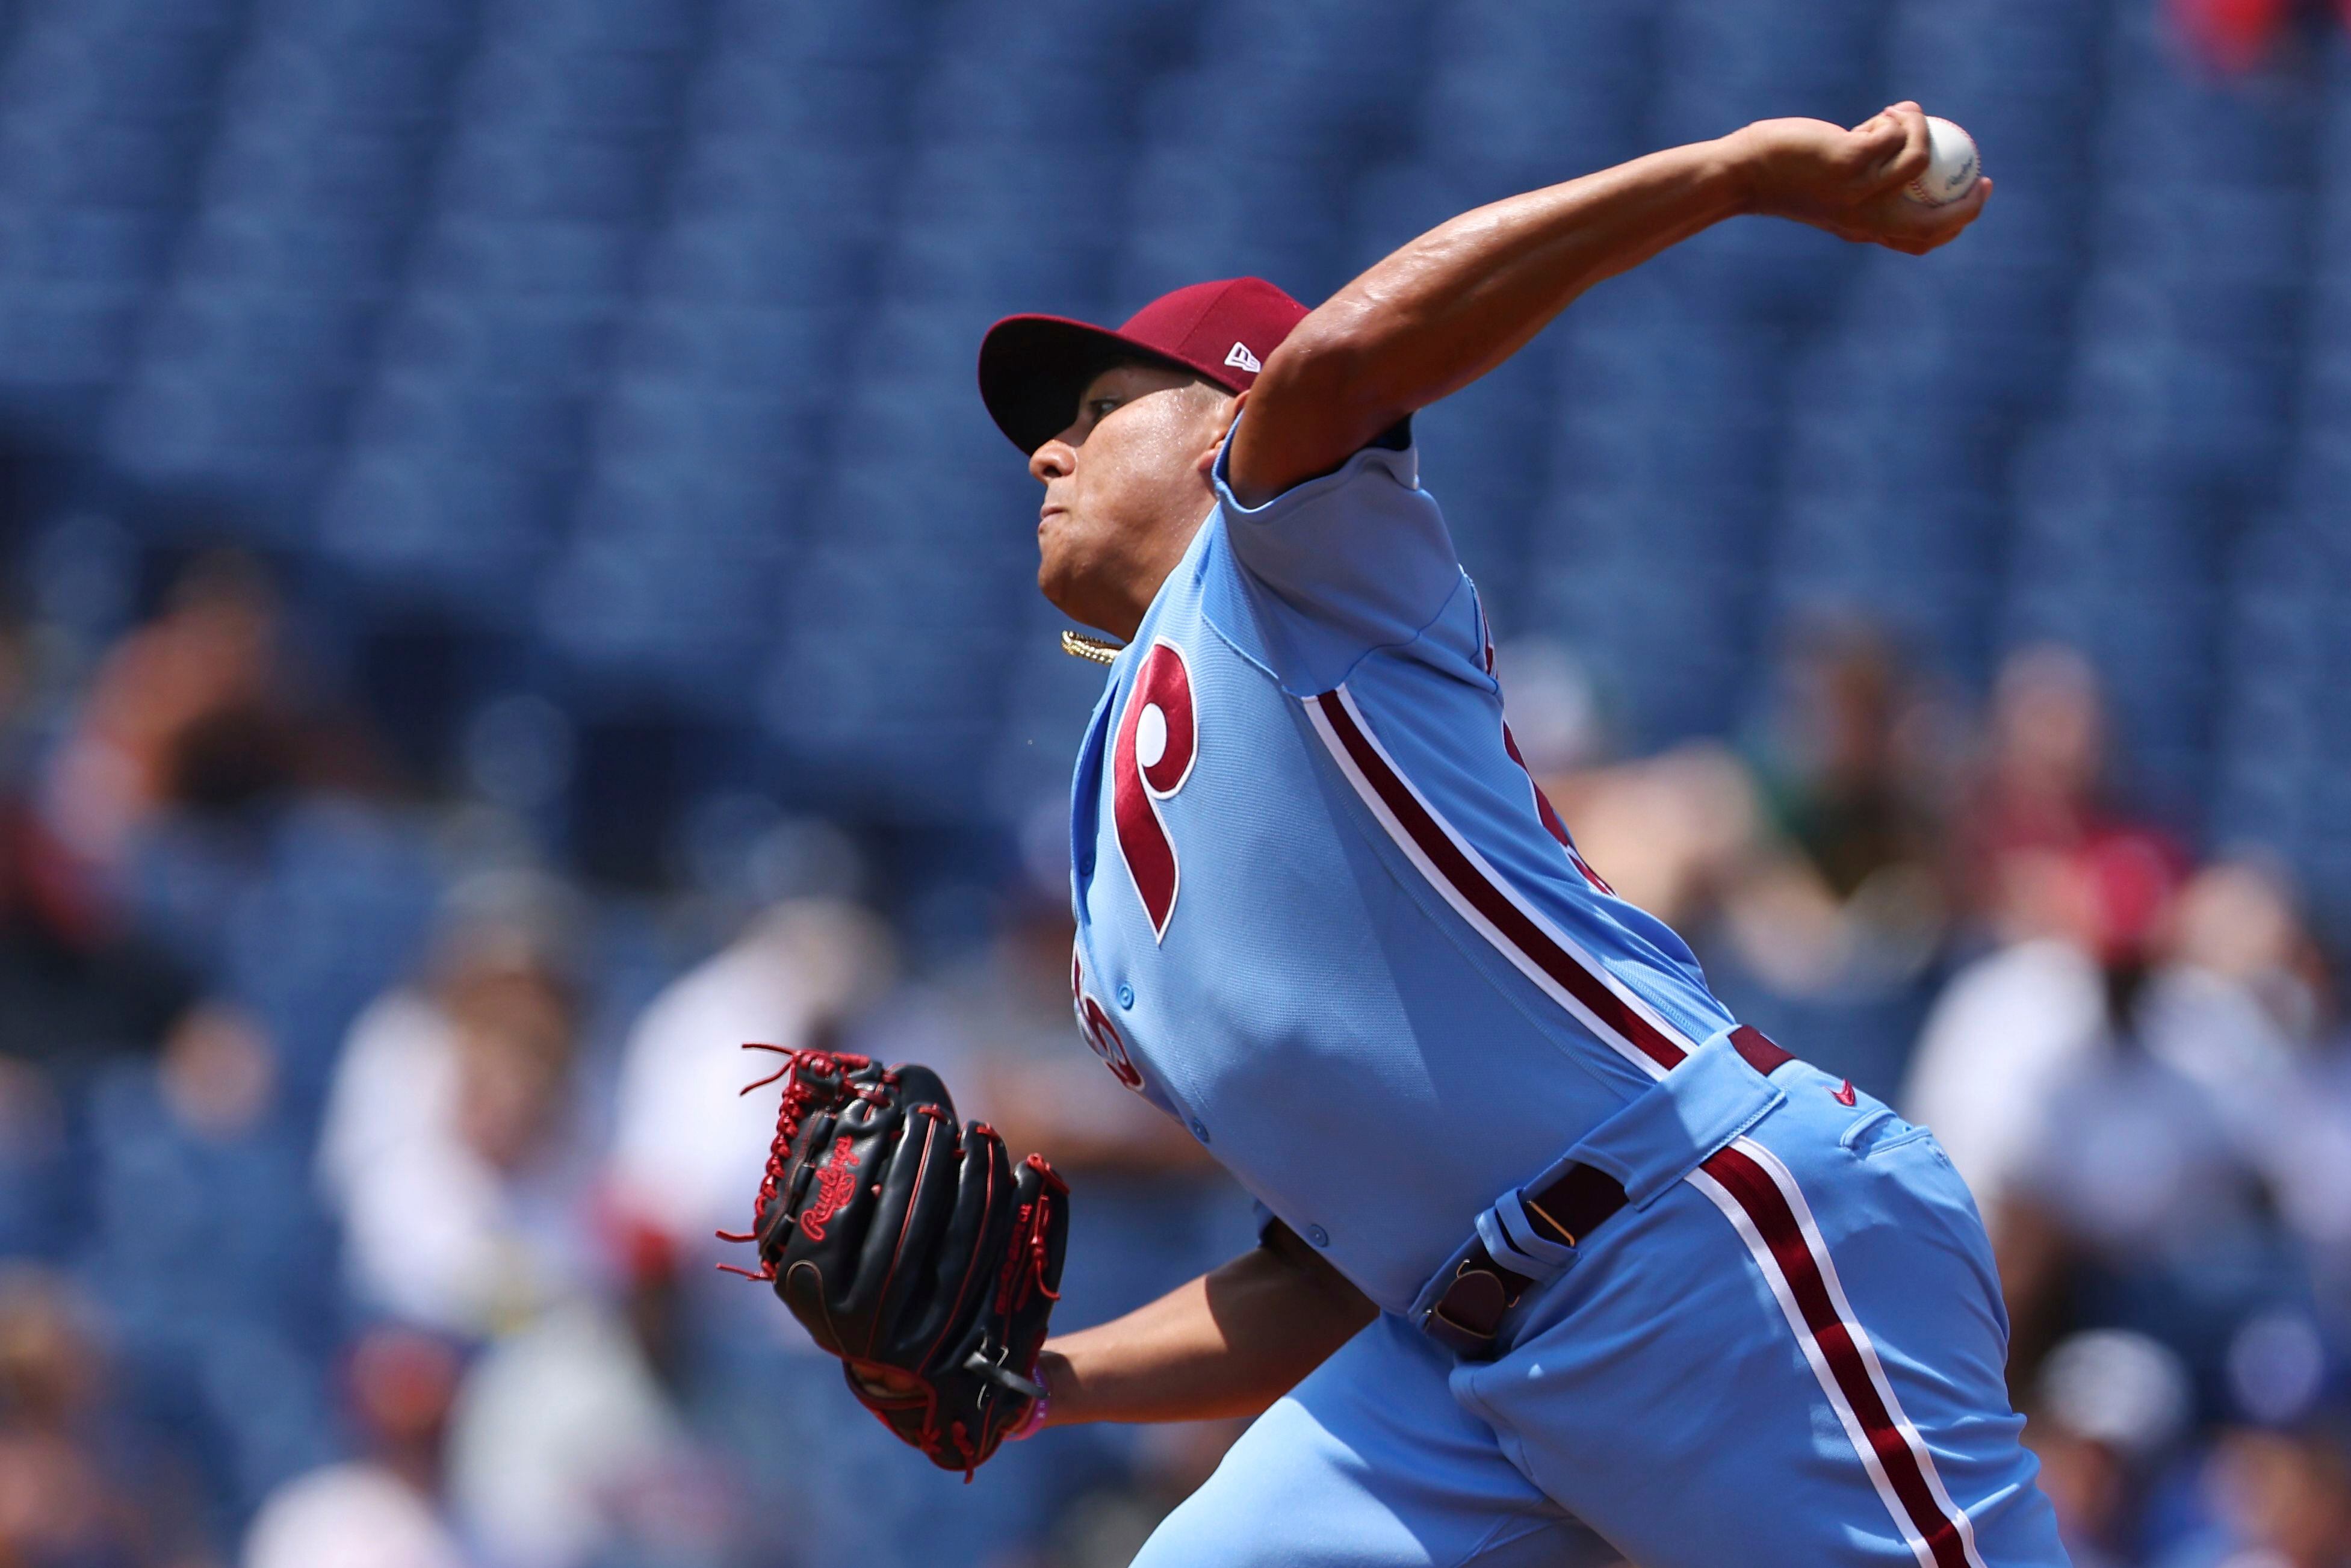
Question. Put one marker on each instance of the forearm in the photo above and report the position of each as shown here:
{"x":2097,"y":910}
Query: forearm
{"x":1464,"y":297}
{"x":1453,"y":304}
{"x":1228,"y":1344}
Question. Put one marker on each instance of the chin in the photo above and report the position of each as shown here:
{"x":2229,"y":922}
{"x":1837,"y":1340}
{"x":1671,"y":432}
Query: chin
{"x":1066,"y":593}
{"x":1052,"y":583}
{"x":1057,"y":590}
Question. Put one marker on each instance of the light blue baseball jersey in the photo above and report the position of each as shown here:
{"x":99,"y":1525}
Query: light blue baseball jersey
{"x":1327,"y":921}
{"x":1375,"y":1034}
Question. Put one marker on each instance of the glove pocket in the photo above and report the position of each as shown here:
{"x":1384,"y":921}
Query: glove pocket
{"x":946,"y":1287}
{"x":902,"y":1202}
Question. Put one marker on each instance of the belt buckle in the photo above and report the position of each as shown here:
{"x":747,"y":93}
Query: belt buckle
{"x":1466,"y":1338}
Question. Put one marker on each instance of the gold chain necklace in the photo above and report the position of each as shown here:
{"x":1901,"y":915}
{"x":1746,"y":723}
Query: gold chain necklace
{"x":1077,"y":645}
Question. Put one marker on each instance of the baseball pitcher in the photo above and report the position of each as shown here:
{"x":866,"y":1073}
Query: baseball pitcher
{"x":1559,"y":1262}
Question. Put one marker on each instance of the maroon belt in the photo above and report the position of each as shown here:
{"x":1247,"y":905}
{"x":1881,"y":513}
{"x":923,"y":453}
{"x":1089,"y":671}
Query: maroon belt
{"x":1564,"y":1212}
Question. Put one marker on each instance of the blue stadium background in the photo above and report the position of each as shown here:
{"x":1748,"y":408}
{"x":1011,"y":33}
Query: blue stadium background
{"x":599,"y":376}
{"x":619,"y":351}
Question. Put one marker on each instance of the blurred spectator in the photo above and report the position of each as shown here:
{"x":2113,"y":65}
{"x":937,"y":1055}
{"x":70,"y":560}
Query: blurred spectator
{"x":1846,"y":889}
{"x":37,"y":1183}
{"x":199,"y":708}
{"x":455,"y":1146}
{"x":568,"y":1446}
{"x":688,"y":1145}
{"x":2241,"y":997}
{"x":71,"y":1491}
{"x":384,"y":1509}
{"x":2072,"y":892}
{"x":2283,"y":1499}
{"x":215,"y":1260}
{"x":1850,"y":773}
{"x":70,"y":982}
{"x":2142,"y":1170}
{"x":2278,"y":1482}
{"x":219,"y":1075}
{"x":2011,"y":1027}
{"x":2240,"y":35}
{"x":2109,"y":1411}
{"x":2043,"y":784}
{"x":202,"y":1212}
{"x":2306,"y":1156}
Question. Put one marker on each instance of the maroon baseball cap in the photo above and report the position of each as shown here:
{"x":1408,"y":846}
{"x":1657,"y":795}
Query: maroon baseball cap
{"x":1033,"y":368}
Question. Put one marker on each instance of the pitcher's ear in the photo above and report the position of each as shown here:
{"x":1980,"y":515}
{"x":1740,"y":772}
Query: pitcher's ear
{"x":1208,"y":459}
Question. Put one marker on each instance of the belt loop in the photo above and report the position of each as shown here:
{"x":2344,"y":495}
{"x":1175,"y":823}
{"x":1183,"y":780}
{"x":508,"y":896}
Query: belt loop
{"x":1762,"y":1054}
{"x":1512,"y":1241}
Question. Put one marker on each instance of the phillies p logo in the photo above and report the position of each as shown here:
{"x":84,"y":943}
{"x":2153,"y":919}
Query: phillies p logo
{"x":1158,"y":737}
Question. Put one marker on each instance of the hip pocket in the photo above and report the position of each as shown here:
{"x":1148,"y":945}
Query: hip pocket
{"x":1878,"y":1131}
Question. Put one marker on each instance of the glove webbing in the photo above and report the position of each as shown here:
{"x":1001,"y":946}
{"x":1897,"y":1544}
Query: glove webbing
{"x":797,"y":1098}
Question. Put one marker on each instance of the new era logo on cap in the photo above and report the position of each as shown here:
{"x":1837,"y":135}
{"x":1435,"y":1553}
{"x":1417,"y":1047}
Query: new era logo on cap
{"x":1239,"y":358}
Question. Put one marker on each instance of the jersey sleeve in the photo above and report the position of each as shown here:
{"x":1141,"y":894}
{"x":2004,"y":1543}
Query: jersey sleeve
{"x":1357,"y":558}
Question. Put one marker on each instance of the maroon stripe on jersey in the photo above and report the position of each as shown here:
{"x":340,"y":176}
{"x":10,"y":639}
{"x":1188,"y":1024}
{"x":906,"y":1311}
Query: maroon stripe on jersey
{"x":1516,"y":926}
{"x":1767,"y":1208}
{"x":1551,"y":818}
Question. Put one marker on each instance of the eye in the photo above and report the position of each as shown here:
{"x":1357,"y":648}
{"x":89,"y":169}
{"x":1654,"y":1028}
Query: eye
{"x":1101,"y":407}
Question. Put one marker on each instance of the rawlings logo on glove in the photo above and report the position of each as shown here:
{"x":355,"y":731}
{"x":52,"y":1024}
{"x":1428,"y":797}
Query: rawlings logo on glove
{"x":917,"y":1249}
{"x":835,"y":1185}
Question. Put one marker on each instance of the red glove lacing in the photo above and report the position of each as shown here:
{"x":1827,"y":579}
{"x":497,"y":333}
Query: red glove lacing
{"x":1024,"y":1264}
{"x":799,"y":1094}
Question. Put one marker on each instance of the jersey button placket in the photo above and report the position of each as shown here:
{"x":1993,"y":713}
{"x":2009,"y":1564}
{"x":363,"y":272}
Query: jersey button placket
{"x":1317,"y":1235}
{"x":1126,"y":995}
{"x":1199,"y":1129}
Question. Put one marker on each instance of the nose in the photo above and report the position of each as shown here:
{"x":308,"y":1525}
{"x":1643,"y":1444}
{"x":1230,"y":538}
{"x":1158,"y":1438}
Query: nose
{"x":1054,"y":460}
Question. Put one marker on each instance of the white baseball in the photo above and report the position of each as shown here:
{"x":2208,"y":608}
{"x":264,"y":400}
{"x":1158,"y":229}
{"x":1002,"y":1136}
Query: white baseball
{"x":1952,"y":166}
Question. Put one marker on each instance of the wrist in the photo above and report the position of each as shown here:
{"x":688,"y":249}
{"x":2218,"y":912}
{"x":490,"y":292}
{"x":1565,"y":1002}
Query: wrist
{"x":1039,"y":1418}
{"x":1739,"y":160}
{"x":1059,"y":1382}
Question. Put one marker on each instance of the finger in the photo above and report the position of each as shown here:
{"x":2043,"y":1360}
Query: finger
{"x":886,"y":1381}
{"x":1905,"y":159}
{"x":1946,"y":224}
{"x":1959,"y":214}
{"x":1875,"y":140}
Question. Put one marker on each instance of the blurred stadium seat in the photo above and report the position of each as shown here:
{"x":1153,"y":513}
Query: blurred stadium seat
{"x":641,"y":330}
